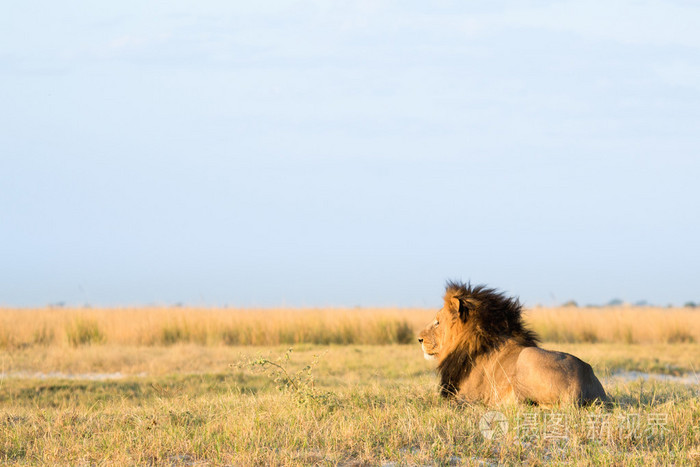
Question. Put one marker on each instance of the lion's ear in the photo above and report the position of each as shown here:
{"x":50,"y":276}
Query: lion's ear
{"x":452,"y":304}
{"x":465,"y":307}
{"x":456,"y":306}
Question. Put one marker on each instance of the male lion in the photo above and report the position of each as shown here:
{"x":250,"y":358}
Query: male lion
{"x":485,"y":353}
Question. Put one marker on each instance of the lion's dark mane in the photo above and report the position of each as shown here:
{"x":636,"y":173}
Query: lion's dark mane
{"x":489,"y":319}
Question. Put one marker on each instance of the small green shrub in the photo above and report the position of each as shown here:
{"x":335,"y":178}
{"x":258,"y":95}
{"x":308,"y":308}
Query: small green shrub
{"x":679,"y":336}
{"x":301,"y":383}
{"x":84,"y":332}
{"x":231,"y":336}
{"x":588,"y":334}
{"x":6,"y":340}
{"x":174,"y":333}
{"x":405,"y":333}
{"x":624,"y":334}
{"x":43,"y":336}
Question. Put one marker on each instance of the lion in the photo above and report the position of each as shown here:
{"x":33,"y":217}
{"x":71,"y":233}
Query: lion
{"x":486,"y":353}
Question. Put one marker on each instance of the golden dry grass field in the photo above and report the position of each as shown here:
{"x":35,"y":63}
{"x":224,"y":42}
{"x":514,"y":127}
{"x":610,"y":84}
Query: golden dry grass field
{"x":186,"y":386}
{"x":223,"y":326}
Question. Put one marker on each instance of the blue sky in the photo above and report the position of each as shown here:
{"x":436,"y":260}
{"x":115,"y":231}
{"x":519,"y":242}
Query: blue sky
{"x":348,"y":153}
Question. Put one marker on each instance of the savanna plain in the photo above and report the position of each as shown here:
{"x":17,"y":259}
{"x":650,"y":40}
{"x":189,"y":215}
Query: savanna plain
{"x":191,"y":386}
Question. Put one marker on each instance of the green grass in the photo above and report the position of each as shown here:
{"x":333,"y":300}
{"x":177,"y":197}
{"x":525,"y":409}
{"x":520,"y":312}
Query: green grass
{"x":349,"y":405}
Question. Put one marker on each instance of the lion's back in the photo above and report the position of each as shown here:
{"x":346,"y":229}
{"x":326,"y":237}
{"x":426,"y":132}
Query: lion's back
{"x":548,"y":377}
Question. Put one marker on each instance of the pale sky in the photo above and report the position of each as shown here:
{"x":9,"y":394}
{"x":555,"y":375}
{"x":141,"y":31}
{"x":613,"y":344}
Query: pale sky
{"x":348,"y":153}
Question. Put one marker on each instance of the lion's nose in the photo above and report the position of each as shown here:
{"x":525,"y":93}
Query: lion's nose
{"x":420,"y":340}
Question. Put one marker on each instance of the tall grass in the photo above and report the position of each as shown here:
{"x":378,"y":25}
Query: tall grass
{"x":167,"y":326}
{"x":162,"y":326}
{"x":627,"y":325}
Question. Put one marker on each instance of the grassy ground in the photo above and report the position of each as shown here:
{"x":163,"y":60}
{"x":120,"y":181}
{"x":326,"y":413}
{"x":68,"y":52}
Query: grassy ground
{"x":191,"y":404}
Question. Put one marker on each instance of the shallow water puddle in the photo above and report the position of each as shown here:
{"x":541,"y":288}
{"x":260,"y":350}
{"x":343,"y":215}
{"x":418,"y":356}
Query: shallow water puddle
{"x":71,"y":376}
{"x":630,"y":376}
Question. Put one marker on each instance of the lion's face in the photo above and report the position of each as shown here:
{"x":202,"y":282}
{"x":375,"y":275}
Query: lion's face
{"x":435,"y":338}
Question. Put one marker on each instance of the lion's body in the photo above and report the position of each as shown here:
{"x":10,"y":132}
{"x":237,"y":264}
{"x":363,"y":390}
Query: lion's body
{"x":486,"y":354}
